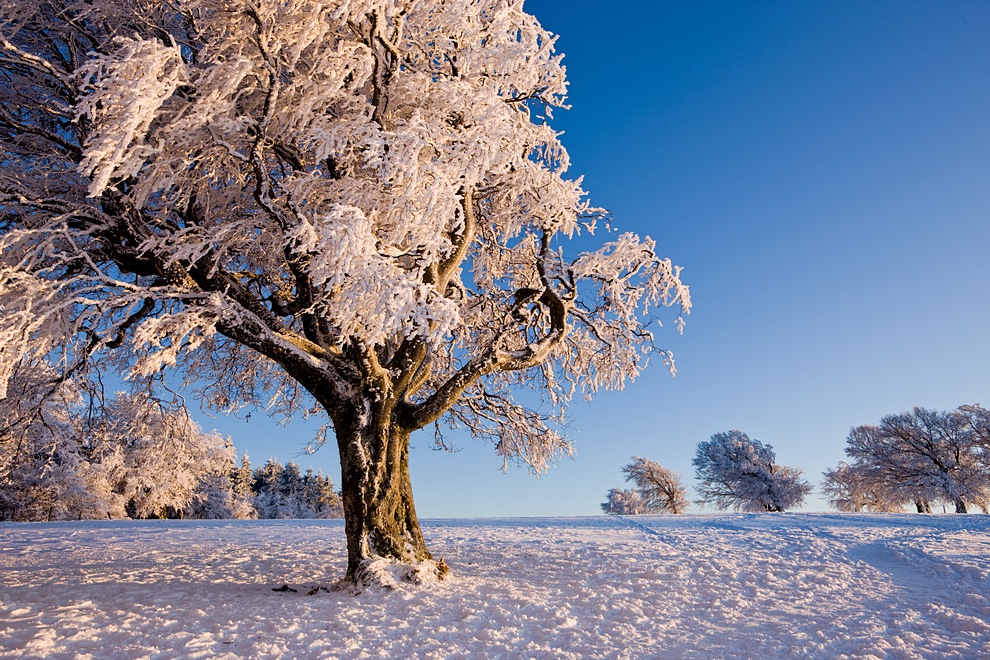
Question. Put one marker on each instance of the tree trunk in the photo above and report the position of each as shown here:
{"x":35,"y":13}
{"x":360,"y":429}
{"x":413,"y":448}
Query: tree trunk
{"x":960,"y":505}
{"x":379,"y":515}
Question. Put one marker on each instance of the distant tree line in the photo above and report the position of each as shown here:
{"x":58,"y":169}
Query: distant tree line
{"x":921,"y":458}
{"x":733,"y":471}
{"x":67,"y":455}
{"x":283,"y":491}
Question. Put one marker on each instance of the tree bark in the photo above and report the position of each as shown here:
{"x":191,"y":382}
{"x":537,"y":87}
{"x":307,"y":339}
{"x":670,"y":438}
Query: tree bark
{"x":379,"y":514}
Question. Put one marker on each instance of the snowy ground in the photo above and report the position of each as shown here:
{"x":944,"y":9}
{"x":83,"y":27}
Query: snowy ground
{"x":704,"y":586}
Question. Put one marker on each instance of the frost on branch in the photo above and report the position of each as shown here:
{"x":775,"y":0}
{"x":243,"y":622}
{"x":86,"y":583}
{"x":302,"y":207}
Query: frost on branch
{"x":357,"y":210}
{"x":122,"y":94}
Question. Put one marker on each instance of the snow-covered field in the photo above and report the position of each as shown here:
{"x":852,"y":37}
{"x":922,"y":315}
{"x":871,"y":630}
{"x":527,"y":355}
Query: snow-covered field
{"x":744,"y":585}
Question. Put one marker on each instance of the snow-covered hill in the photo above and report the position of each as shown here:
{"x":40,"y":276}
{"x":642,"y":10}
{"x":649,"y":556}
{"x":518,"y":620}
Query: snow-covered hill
{"x":795,"y":585}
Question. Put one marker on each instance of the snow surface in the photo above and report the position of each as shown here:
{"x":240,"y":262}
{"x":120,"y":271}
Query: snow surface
{"x":742,"y":585}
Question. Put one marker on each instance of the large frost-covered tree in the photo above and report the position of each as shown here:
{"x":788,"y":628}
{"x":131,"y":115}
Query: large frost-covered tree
{"x":354,"y":208}
{"x":735,"y":471}
{"x":927,"y":455}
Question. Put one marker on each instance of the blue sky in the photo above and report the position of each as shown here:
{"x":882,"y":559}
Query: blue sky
{"x":821,"y":170}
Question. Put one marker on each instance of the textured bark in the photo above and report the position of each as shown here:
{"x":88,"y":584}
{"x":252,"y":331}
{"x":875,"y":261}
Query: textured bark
{"x":393,"y":529}
{"x":379,"y":512}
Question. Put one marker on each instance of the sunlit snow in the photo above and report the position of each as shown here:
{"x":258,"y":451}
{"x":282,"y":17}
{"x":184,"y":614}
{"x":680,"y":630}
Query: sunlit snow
{"x":742,"y":585}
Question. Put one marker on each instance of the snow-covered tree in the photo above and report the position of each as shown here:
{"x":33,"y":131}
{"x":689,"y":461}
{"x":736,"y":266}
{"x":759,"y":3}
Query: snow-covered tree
{"x":625,"y":502}
{"x":291,"y":491}
{"x":66,"y":455}
{"x":660,"y":489}
{"x":322,"y":501}
{"x":167,"y":457}
{"x":267,"y":487}
{"x":878,"y":466}
{"x":859,"y":488}
{"x":734,"y":471}
{"x":355,"y":207}
{"x":241,"y":480}
{"x":280,"y":492}
{"x":283,"y":491}
{"x":219,"y":494}
{"x":926,"y":456}
{"x":978,"y":419}
{"x":44,"y":468}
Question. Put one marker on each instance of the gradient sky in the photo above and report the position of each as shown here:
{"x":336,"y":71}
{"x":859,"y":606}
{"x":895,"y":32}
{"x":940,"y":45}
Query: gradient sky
{"x":821,"y":170}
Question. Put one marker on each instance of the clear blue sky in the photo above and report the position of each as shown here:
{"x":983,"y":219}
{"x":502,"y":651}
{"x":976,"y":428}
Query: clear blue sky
{"x":821,"y":170}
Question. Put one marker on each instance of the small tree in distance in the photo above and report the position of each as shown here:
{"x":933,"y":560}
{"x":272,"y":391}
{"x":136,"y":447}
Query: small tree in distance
{"x":855,"y":488}
{"x":624,"y":502}
{"x":657,"y":490}
{"x":661,"y":489}
{"x":737,"y":472}
{"x":923,"y":456}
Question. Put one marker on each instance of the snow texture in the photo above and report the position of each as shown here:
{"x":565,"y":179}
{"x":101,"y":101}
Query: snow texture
{"x":701,"y":586}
